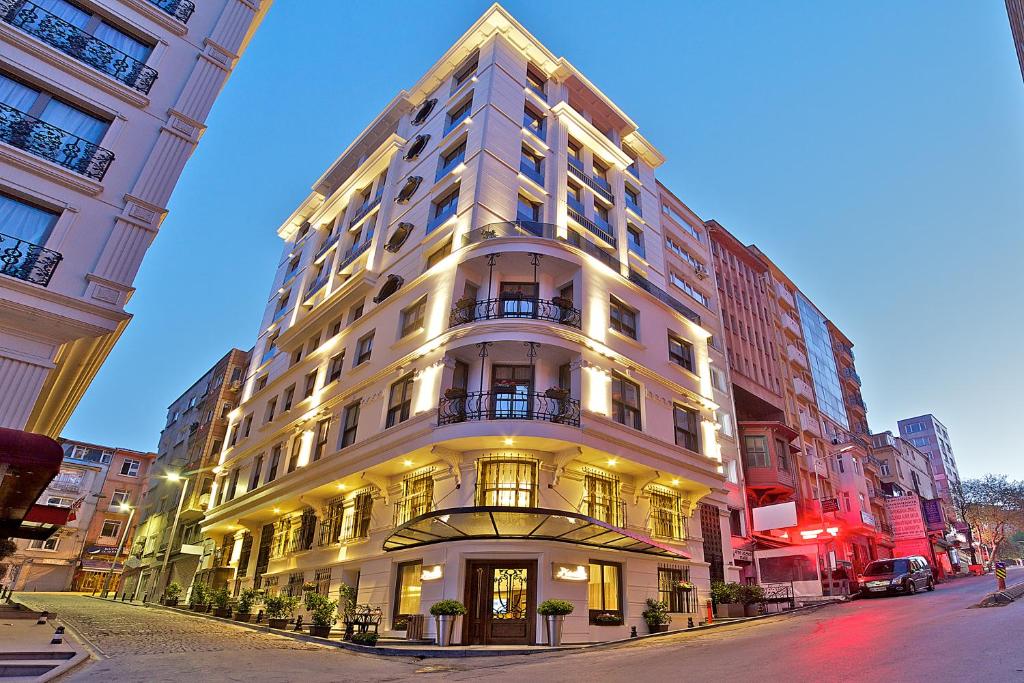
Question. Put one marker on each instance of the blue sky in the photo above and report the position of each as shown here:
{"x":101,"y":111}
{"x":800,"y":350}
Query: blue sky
{"x":874,"y":150}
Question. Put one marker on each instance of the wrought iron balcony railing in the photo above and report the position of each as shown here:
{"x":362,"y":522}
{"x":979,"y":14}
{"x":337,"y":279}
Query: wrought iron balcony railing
{"x":663,"y":296}
{"x":76,"y":43}
{"x":26,"y":261}
{"x":606,"y":509}
{"x":591,"y":226}
{"x":352,"y":254}
{"x":543,"y":230}
{"x":508,"y":405}
{"x":53,"y":144}
{"x":179,"y":9}
{"x":519,"y":308}
{"x":598,"y":185}
{"x":364,"y":210}
{"x":851,"y":374}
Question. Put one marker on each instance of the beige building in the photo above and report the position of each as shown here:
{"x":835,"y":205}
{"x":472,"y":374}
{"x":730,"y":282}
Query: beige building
{"x":101,"y":104}
{"x":485,"y":367}
{"x":903,"y":468}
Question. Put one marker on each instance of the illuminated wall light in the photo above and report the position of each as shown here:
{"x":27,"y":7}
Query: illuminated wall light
{"x":597,"y":315}
{"x":612,"y":462}
{"x":342,"y":487}
{"x":407,"y":463}
{"x":432,"y":572}
{"x":427,"y":384}
{"x":569,"y":572}
{"x":509,"y":441}
{"x":598,"y":391}
{"x":276,"y":511}
{"x":213,"y":496}
{"x":675,"y":482}
{"x":460,"y":168}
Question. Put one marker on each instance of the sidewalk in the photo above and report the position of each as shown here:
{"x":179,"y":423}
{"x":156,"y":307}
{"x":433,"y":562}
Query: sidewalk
{"x":26,"y":653}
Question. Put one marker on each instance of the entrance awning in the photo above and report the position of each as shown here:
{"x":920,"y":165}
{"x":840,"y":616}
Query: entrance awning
{"x":27,"y":464}
{"x":537,"y":524}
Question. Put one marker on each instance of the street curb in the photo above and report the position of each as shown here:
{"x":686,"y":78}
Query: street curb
{"x":453,"y":653}
{"x":83,"y":654}
{"x":1002,"y":598}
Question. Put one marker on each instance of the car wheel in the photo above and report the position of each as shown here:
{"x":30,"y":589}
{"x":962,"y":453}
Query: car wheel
{"x":911,"y":587}
{"x":931,"y":585}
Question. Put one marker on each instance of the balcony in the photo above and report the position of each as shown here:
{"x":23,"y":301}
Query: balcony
{"x":797,"y":356}
{"x":531,"y":172}
{"x":591,"y":226}
{"x":598,"y":185}
{"x":315,"y":286}
{"x":769,"y":479}
{"x":784,"y":296}
{"x":516,"y":308}
{"x":803,"y":389}
{"x":26,"y":261}
{"x":851,"y":374}
{"x":326,"y":247}
{"x":809,"y":424}
{"x":44,"y":140}
{"x":633,"y":170}
{"x":78,"y":44}
{"x":364,"y":210}
{"x":790,"y":325}
{"x":856,"y":400}
{"x":663,"y":296}
{"x":352,"y":254}
{"x":508,"y":405}
{"x":179,"y":9}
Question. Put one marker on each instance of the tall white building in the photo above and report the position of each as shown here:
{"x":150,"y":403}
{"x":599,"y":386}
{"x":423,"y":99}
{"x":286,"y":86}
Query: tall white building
{"x":489,"y":367}
{"x":930,"y":437}
{"x":101,"y":104}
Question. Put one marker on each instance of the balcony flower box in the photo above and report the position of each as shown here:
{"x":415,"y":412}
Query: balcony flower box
{"x":453,"y":393}
{"x":557,"y":393}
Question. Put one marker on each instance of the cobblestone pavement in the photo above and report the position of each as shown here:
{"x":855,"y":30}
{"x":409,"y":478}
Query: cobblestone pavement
{"x":152,"y":644}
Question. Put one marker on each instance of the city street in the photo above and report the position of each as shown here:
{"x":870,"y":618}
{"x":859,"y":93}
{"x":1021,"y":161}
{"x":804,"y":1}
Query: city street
{"x":926,"y":637}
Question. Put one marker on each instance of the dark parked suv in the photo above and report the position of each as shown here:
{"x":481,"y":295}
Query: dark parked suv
{"x":899,"y":575}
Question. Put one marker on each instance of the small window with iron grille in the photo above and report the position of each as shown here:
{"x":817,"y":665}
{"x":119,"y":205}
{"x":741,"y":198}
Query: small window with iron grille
{"x":282,"y":531}
{"x":417,"y":496}
{"x":667,"y":520}
{"x":322,"y":579}
{"x":601,"y":497}
{"x":672,"y":591}
{"x":507,"y":481}
{"x":330,"y":526}
{"x":295,"y":581}
{"x":356,"y":518}
{"x":269,"y":585}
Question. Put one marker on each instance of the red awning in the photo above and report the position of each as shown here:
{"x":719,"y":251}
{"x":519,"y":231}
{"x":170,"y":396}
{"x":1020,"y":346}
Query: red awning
{"x":48,"y":514}
{"x":25,"y":449}
{"x":30,"y":461}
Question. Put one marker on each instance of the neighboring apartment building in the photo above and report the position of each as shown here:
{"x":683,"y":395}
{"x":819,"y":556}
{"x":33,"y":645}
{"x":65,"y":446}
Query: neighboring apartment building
{"x":101,"y":104}
{"x":481,"y":374}
{"x":810,"y":483}
{"x":94,"y":481}
{"x":1015,"y":12}
{"x":930,"y":437}
{"x":190,"y":445}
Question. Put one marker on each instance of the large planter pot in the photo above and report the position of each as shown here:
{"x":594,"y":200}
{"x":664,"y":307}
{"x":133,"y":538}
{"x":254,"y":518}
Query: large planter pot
{"x":732,"y":610}
{"x":171,"y":602}
{"x":319,"y":631}
{"x":222,"y":612}
{"x":198,"y":608}
{"x":278,"y":623}
{"x":658,"y":628}
{"x":553,"y":624}
{"x":445,"y":624}
{"x":243,"y":617}
{"x":751,"y":610}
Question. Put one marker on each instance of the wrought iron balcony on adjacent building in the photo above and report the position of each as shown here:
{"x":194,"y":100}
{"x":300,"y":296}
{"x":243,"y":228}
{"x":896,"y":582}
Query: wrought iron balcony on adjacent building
{"x":507,"y":405}
{"x":179,"y":9}
{"x":26,"y":261}
{"x":44,"y":140}
{"x":76,"y":43}
{"x":556,"y":311}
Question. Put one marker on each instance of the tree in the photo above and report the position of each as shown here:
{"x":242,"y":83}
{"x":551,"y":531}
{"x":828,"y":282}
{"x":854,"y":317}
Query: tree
{"x":994,"y":509}
{"x":956,"y":492}
{"x":7,"y":548}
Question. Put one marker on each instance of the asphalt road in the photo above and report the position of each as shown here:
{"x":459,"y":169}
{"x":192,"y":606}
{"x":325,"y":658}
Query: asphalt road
{"x":928,"y":637}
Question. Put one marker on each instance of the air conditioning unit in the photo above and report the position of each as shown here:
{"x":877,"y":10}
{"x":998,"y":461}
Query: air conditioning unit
{"x":701,"y":271}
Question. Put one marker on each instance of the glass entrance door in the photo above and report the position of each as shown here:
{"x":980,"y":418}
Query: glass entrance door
{"x":511,"y":389}
{"x":501,"y":603}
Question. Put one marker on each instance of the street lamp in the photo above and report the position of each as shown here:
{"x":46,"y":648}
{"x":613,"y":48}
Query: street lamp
{"x":124,"y":507}
{"x":174,"y":478}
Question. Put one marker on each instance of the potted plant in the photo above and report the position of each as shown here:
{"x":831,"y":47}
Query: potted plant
{"x":727,"y":599}
{"x":199,"y":601}
{"x":557,"y":393}
{"x":464,"y":309}
{"x":445,"y":613}
{"x":222,"y":603}
{"x":347,"y":608}
{"x":322,"y":615}
{"x":452,"y":393}
{"x":554,"y":612}
{"x":607,"y":619}
{"x":685,"y":586}
{"x":246,"y":600}
{"x":172,"y":593}
{"x":656,"y":615}
{"x":367,"y":638}
{"x":280,"y":609}
{"x":562,"y":302}
{"x":751,"y":595}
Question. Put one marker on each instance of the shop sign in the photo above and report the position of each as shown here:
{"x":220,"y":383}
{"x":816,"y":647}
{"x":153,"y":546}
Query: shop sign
{"x":743,"y":555}
{"x":569,"y":572}
{"x":906,"y":517}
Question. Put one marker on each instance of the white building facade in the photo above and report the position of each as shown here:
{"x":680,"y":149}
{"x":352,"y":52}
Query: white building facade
{"x":480,"y":375}
{"x":101,"y":104}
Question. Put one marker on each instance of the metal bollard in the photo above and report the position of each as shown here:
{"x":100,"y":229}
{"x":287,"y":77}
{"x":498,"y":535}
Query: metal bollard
{"x":298,"y":623}
{"x":689,"y":622}
{"x":42,"y":618}
{"x":711,"y":613}
{"x":259,"y":617}
{"x":58,"y":636}
{"x":632,"y":631}
{"x":1001,"y":576}
{"x":145,"y":597}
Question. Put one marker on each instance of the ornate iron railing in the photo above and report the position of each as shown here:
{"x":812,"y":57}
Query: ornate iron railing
{"x":363,"y":210}
{"x":76,"y":43}
{"x":53,"y":144}
{"x":179,"y":9}
{"x":534,"y":229}
{"x":513,"y":307}
{"x":352,"y":254}
{"x":598,"y":185}
{"x":27,"y":261}
{"x":663,"y":296}
{"x":591,"y":226}
{"x":508,"y":405}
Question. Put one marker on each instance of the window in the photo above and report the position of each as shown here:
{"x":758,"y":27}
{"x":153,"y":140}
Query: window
{"x":119,"y":497}
{"x":635,"y":240}
{"x":914,"y":427}
{"x":233,"y":486}
{"x":601,"y":494}
{"x":755,"y":448}
{"x":667,"y":520}
{"x":683,"y":253}
{"x":464,"y":73}
{"x":622,"y":318}
{"x":49,"y":544}
{"x":782,"y":454}
{"x":527,"y":210}
{"x":349,"y":425}
{"x":533,"y":121}
{"x":399,"y":401}
{"x":685,"y":422}
{"x":680,"y":352}
{"x":257,"y":469}
{"x":507,"y":482}
{"x":417,"y":497}
{"x":919,"y":440}
{"x":412,"y":318}
{"x":735,"y":522}
{"x":364,"y":348}
{"x":625,"y":402}
{"x":451,"y":159}
{"x":356,"y":517}
{"x":268,"y":415}
{"x":604,"y":593}
{"x":293,"y":459}
{"x":246,"y":425}
{"x":59,"y":502}
{"x":407,"y":594}
{"x":320,"y":445}
{"x":601,"y":216}
{"x":600,"y":171}
{"x":535,"y":80}
{"x":680,"y":221}
{"x":356,"y":312}
{"x":459,"y":114}
{"x":335,"y":366}
{"x":695,"y":294}
{"x":260,"y":383}
{"x":111,"y":528}
{"x":439,"y":254}
{"x":25,"y":221}
{"x":632,"y":199}
{"x":310,"y":385}
{"x":718,"y":379}
{"x":443,"y":209}
{"x":275,"y":463}
{"x":725,"y":420}
{"x":575,"y":152}
{"x":669,"y":591}
{"x":130,"y":467}
{"x":531,"y":165}
{"x":289,"y":396}
{"x":282,"y":304}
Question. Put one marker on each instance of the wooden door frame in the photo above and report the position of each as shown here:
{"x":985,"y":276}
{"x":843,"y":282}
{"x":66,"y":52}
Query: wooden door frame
{"x":533,"y":577}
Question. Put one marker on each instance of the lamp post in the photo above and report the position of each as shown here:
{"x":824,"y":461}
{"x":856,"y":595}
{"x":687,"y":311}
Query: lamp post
{"x":125,"y":507}
{"x":184,"y":478}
